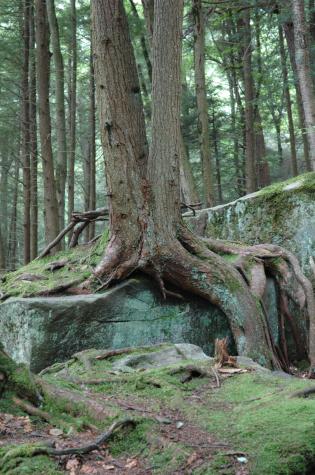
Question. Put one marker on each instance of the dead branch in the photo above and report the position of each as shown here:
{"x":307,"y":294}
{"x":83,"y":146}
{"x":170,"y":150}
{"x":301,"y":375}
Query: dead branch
{"x":85,"y":218}
{"x":96,"y":445}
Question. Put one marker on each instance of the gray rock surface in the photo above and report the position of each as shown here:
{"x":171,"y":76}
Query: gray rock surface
{"x":165,"y":357}
{"x":44,"y":330}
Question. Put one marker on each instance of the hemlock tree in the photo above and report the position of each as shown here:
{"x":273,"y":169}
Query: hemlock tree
{"x":146,"y":229}
{"x":303,"y":65}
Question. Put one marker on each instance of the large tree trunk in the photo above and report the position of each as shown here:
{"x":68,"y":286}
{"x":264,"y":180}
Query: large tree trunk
{"x":187,"y":182}
{"x":145,"y":222}
{"x":61,"y":162}
{"x":43,"y":73}
{"x":302,"y":56}
{"x":202,"y":104}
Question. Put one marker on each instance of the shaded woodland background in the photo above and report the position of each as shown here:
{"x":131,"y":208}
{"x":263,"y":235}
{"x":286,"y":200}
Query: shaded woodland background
{"x":243,"y":116}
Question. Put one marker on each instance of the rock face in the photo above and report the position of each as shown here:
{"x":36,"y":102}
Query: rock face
{"x":282,"y":214}
{"x":44,"y":330}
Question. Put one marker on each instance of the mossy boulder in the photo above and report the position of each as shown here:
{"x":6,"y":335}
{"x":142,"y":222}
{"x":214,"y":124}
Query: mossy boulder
{"x":282,"y":214}
{"x":43,"y":330}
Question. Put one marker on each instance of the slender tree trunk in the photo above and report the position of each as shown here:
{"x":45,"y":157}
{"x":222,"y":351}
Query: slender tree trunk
{"x":61,"y":162}
{"x":73,"y":106}
{"x":302,"y":57}
{"x":249,"y":103}
{"x":33,"y":140}
{"x":202,"y":105}
{"x":25,"y":117}
{"x":92,"y":145}
{"x":12,"y":257}
{"x":43,"y":73}
{"x":215,"y":135}
{"x":289,"y":34}
{"x":287,"y":97}
{"x":143,"y":43}
{"x":233,"y":91}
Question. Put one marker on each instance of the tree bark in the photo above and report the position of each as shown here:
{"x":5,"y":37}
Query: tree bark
{"x":25,"y":118}
{"x":302,"y":57}
{"x":250,"y":165}
{"x":202,"y":105}
{"x":289,"y":35}
{"x":72,"y":110}
{"x":61,"y":162}
{"x":33,"y":140}
{"x":145,"y":222}
{"x":287,"y":96}
{"x":43,"y":73}
{"x":12,"y":247}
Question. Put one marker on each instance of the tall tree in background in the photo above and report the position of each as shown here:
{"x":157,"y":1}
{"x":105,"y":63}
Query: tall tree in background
{"x":73,"y":107}
{"x":202,"y":105}
{"x":25,"y":120}
{"x":302,"y":56}
{"x":250,"y":164}
{"x":287,"y":96}
{"x":43,"y":74}
{"x":61,"y":162}
{"x":33,"y":139}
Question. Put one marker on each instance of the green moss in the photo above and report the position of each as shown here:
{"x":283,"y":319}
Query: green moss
{"x":131,"y":441}
{"x":80,"y":262}
{"x":256,"y":413}
{"x":21,"y":459}
{"x":307,"y":184}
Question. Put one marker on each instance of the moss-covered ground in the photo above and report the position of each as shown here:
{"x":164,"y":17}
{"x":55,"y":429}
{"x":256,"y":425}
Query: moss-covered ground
{"x":193,"y":427}
{"x":39,"y":279}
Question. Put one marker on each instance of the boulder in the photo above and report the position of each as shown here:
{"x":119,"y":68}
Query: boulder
{"x":283,"y":214}
{"x":43,"y":330}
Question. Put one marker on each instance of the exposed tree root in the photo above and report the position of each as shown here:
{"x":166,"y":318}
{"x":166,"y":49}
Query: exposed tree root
{"x":194,"y":264}
{"x":14,"y":456}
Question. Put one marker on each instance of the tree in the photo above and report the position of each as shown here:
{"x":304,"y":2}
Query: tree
{"x":202,"y":106}
{"x":287,"y":97}
{"x":73,"y":106}
{"x":61,"y":162}
{"x":302,"y":57}
{"x":249,"y":92}
{"x":25,"y":119}
{"x":43,"y":60}
{"x":146,"y":229}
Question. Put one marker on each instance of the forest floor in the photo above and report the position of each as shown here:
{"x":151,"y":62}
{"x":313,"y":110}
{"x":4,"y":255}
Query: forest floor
{"x":250,"y":424}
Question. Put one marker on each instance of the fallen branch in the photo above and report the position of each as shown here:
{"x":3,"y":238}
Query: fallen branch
{"x":18,"y":453}
{"x":96,"y":445}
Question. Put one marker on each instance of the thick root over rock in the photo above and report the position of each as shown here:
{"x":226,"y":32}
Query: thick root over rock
{"x":197,"y":265}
